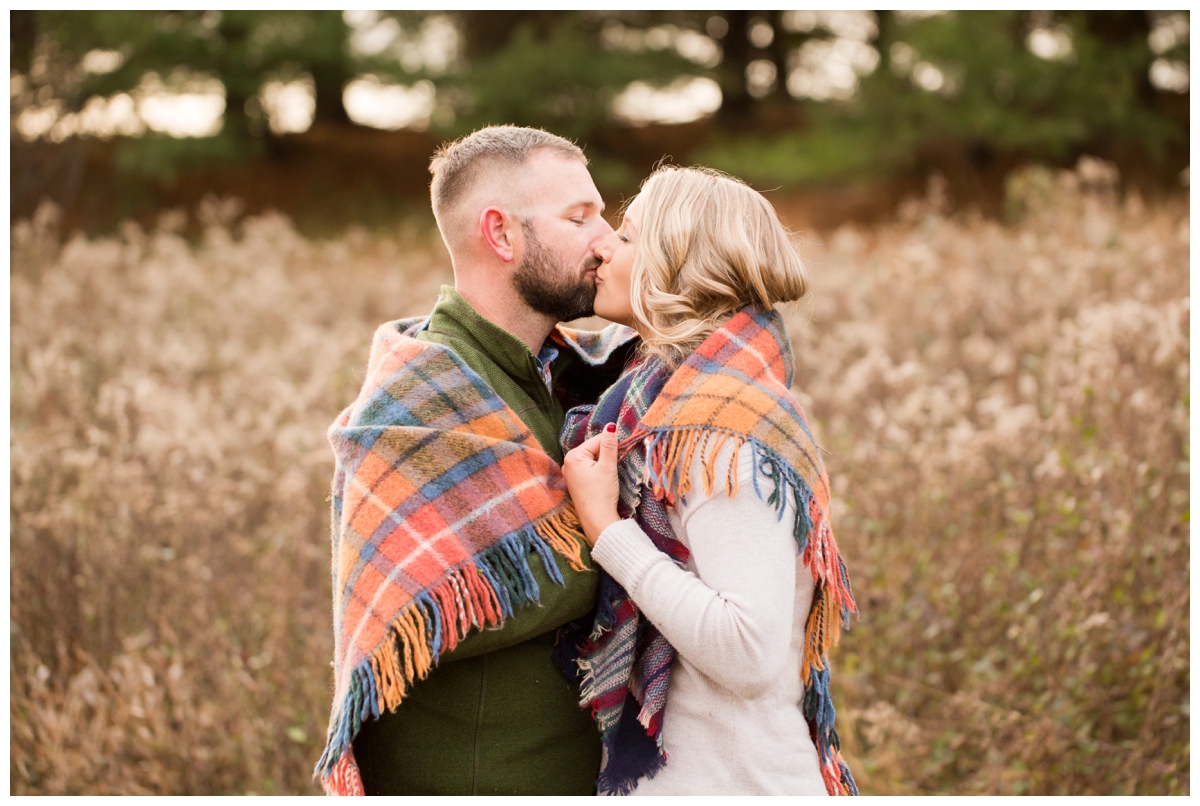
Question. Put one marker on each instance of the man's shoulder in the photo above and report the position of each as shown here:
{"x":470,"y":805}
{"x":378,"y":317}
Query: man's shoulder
{"x":401,"y":341}
{"x":410,"y":326}
{"x":463,"y":351}
{"x":404,"y":346}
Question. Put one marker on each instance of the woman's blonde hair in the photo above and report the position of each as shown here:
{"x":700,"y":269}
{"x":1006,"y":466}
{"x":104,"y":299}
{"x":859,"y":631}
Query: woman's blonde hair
{"x":708,"y":246}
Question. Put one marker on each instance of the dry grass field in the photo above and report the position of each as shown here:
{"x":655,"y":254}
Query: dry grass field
{"x":1005,"y":408}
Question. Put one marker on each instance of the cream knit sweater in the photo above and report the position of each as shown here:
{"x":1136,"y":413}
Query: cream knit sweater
{"x":733,"y":721}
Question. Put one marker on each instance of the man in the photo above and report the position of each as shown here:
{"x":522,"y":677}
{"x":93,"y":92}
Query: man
{"x":523,"y":223}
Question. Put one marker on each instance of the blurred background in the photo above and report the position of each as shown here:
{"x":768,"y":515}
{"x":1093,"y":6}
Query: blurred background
{"x":212,"y":211}
{"x":331,"y":116}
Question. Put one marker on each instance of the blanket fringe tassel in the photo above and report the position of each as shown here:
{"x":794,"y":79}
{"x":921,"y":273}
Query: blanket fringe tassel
{"x":479,"y":594}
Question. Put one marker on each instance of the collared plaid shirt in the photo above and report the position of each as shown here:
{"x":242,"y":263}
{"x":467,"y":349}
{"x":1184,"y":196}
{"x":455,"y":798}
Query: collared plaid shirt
{"x":545,"y":359}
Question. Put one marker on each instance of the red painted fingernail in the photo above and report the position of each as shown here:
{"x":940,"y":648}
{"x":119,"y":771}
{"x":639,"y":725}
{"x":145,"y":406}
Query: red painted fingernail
{"x":611,"y":427}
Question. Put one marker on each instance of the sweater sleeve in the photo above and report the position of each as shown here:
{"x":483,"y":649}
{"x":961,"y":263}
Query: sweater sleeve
{"x":732,"y":618}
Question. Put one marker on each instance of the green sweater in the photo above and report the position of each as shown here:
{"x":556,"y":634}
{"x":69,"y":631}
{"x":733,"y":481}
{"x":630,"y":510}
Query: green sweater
{"x":496,"y":717}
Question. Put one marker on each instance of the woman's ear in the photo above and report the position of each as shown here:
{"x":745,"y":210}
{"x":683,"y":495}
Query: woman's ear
{"x":497,"y":229}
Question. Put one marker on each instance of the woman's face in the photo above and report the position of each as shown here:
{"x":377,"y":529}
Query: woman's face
{"x":612,"y":278}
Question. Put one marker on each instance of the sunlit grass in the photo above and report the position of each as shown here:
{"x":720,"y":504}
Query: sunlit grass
{"x":1007,"y":414}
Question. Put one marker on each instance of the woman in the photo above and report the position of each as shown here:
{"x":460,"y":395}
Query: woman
{"x":703,"y":497}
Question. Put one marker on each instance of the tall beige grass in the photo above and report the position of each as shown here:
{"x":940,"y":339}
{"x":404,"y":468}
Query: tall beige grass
{"x":1007,"y":415}
{"x":170,"y":549}
{"x":1006,"y":411}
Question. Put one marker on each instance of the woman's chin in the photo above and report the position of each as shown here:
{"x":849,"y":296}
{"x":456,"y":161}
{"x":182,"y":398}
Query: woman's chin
{"x":615,"y":317}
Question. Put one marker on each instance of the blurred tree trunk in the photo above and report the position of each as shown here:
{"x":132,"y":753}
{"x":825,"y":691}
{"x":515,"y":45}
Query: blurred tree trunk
{"x":885,"y":35}
{"x":330,"y":82}
{"x":779,"y":49}
{"x":1130,"y":31}
{"x":22,"y":35}
{"x":238,"y":89}
{"x":786,"y":111}
{"x":736,"y":101}
{"x":330,"y":68}
{"x":487,"y":31}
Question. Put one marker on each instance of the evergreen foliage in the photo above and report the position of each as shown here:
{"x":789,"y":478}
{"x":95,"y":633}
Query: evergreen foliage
{"x":978,"y":87}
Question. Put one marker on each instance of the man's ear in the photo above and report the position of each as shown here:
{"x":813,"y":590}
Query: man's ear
{"x":497,"y":229}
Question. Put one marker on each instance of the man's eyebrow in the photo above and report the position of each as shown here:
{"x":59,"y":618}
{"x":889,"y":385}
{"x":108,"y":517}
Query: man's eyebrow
{"x":587,"y":205}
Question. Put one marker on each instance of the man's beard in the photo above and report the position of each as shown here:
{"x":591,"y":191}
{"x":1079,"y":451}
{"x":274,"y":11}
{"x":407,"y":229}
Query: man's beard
{"x":545,"y":289}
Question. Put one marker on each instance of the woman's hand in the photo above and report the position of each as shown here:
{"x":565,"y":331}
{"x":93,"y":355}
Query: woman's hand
{"x":591,"y":473}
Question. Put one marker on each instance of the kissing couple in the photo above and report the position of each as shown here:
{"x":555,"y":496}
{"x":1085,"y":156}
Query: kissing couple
{"x":568,"y":562}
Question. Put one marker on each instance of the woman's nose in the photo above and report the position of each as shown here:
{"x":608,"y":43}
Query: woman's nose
{"x":605,"y":246}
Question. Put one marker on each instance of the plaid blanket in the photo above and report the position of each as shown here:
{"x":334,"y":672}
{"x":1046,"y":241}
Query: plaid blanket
{"x":733,"y":388}
{"x":440,"y":493}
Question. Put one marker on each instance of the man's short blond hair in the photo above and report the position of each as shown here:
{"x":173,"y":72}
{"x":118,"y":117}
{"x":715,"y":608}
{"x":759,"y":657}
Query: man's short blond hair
{"x":458,"y":166}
